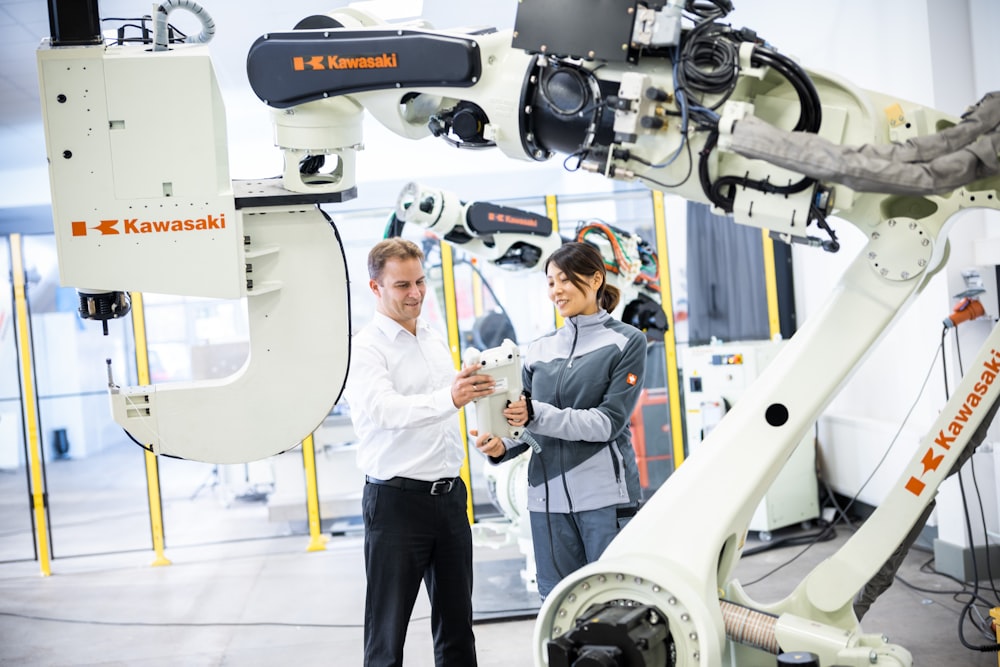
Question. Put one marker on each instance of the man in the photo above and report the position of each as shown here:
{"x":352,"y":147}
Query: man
{"x":404,"y":396}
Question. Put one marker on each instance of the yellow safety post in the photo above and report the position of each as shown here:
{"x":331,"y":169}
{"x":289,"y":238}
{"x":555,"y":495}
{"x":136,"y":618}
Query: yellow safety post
{"x":552,"y":211}
{"x":771,"y":284}
{"x":152,"y":463}
{"x":477,"y":289}
{"x":451,"y":317}
{"x":317,"y":540}
{"x":669,"y":341}
{"x":995,"y":614}
{"x":39,"y":497}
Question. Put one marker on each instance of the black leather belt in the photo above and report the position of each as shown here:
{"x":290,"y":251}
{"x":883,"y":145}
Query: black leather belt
{"x":435,"y":488}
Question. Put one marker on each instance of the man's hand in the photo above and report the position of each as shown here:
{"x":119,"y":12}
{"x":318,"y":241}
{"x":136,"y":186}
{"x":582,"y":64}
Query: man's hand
{"x":468,"y":386}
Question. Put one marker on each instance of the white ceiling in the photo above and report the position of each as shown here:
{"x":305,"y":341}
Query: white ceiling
{"x":879,"y":46}
{"x":24,"y":23}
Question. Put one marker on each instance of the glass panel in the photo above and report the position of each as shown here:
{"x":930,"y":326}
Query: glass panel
{"x":94,"y":473}
{"x":16,"y":537}
{"x":196,"y":339}
{"x":97,"y":482}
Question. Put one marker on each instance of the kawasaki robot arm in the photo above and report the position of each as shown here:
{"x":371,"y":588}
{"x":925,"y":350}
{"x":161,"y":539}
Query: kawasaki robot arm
{"x":520,"y":240}
{"x":666,"y":94}
{"x":661,"y":92}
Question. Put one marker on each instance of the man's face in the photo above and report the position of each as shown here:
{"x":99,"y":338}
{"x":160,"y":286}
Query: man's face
{"x":400,"y":291}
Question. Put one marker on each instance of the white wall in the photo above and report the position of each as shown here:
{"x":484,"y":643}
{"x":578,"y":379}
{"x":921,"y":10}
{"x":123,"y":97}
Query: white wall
{"x":934,"y":52}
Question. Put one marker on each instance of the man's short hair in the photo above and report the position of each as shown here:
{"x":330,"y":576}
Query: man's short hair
{"x":393,"y":248}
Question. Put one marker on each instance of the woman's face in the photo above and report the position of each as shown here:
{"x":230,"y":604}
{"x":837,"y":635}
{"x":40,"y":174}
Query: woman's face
{"x":569,"y":299}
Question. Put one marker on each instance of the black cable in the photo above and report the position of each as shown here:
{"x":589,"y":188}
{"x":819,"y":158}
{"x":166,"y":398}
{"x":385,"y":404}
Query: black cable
{"x":836,"y":505}
{"x":708,"y":63}
{"x":826,"y":534}
{"x":690,"y":168}
{"x":878,"y":466}
{"x":966,"y":611}
{"x":986,"y":537}
{"x":181,"y":624}
{"x":548,"y":520}
{"x":525,"y":613}
{"x":811,"y":111}
{"x":953,"y":594}
{"x":944,"y":364}
{"x":925,"y":568}
{"x":708,"y":9}
{"x":722,"y":192}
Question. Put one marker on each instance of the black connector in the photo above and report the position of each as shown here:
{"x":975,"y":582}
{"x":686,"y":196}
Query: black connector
{"x":657,"y":94}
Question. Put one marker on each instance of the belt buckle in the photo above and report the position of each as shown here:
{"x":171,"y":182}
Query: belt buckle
{"x":442,"y":486}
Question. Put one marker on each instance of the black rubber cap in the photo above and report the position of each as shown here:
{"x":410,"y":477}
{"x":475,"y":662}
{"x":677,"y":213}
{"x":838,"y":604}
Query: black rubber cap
{"x":798,"y":658}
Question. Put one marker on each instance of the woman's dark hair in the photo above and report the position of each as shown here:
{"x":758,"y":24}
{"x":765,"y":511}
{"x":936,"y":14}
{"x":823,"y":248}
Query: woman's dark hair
{"x":579,"y":261}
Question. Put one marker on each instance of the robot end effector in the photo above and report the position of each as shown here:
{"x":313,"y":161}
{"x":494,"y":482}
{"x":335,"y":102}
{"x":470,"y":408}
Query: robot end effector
{"x":517,"y":239}
{"x":507,"y":237}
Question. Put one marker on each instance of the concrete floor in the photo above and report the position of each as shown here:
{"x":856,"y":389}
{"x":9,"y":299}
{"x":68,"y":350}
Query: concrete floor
{"x":270,"y":602}
{"x":243,"y":590}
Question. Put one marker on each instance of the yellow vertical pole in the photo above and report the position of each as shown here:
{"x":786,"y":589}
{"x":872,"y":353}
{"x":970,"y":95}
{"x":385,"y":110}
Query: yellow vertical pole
{"x":669,"y":341}
{"x":771,"y":284}
{"x":995,"y":615}
{"x":39,"y":497}
{"x":317,"y":541}
{"x":152,"y":463}
{"x":552,"y":211}
{"x":477,"y":290}
{"x":451,"y":318}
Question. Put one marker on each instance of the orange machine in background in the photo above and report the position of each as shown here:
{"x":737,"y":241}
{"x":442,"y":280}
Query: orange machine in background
{"x":651,"y":439}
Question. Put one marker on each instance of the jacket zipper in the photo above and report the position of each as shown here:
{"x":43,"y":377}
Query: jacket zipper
{"x":562,"y":371}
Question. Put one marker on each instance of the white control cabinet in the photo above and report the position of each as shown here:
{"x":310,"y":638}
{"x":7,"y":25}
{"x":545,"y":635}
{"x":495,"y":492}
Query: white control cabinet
{"x":715,"y":376}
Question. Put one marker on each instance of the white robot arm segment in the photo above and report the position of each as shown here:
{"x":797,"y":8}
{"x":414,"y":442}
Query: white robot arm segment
{"x":517,"y":239}
{"x":143,"y":202}
{"x":504,"y":236}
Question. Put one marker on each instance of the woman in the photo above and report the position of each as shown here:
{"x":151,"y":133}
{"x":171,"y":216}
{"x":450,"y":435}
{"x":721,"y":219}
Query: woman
{"x":581,"y":384}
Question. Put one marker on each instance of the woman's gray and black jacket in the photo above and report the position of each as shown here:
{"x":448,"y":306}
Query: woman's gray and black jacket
{"x":584,"y":380}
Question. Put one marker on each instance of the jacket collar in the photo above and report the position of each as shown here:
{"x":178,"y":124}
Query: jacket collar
{"x":587,"y":321}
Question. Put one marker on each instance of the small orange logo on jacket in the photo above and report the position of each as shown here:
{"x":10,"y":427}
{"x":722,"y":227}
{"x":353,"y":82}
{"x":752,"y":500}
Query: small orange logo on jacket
{"x":632,"y":378}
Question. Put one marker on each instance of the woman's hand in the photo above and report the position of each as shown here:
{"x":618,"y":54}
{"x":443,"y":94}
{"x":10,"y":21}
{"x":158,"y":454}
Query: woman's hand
{"x":489,"y":444}
{"x":516,"y":413}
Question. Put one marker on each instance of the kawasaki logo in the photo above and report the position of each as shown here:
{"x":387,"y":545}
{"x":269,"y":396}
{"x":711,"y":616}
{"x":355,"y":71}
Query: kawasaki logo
{"x":384,"y":61}
{"x":511,"y":219}
{"x":933,"y":456}
{"x":137,"y":226}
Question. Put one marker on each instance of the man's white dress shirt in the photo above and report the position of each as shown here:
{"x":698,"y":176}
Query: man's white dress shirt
{"x":399,"y":393}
